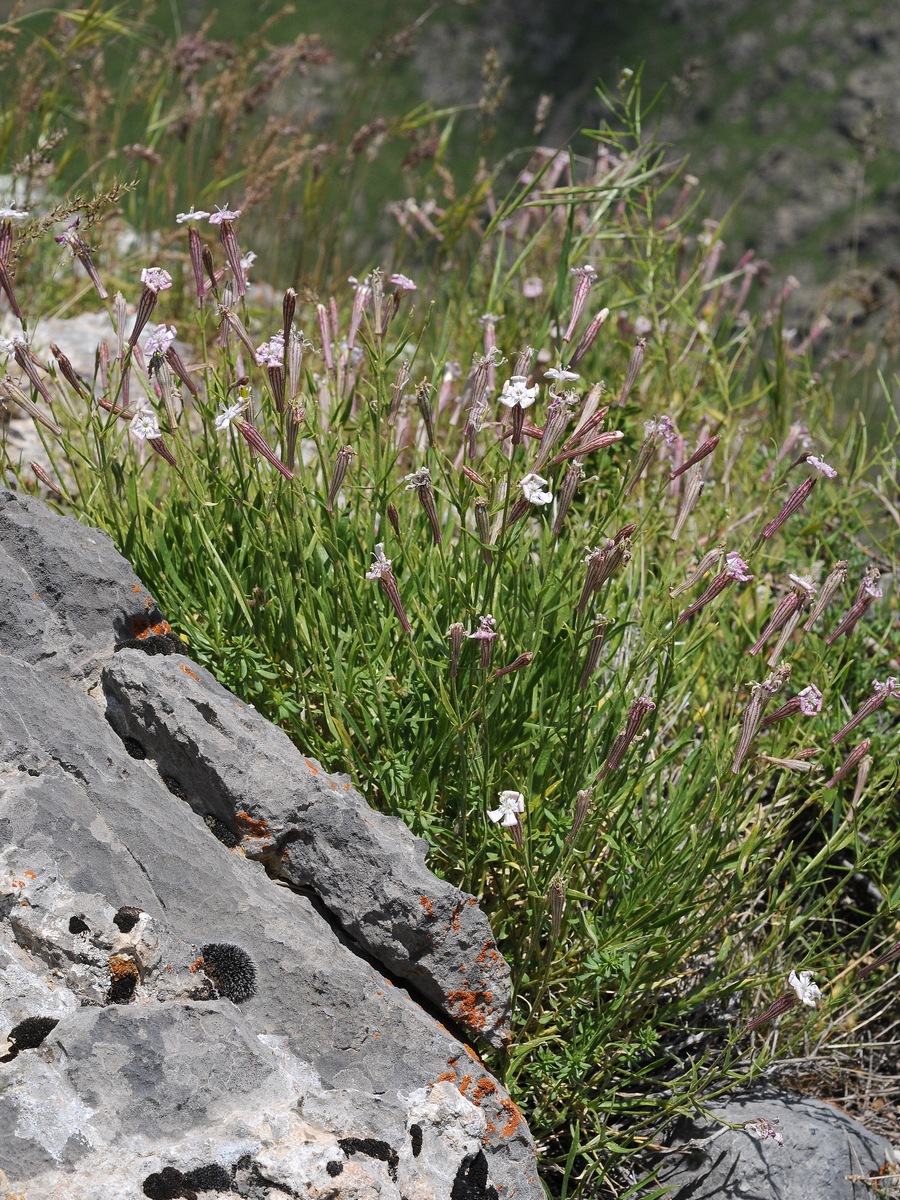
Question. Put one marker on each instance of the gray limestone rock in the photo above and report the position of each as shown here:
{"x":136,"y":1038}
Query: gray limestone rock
{"x":126,"y":925}
{"x":826,"y":1154}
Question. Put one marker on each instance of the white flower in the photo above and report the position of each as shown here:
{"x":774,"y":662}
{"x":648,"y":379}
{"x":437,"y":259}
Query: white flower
{"x":7,"y":213}
{"x":821,"y":466}
{"x":485,"y":631}
{"x":762,"y":1129}
{"x":873,"y":590}
{"x":810,"y":701}
{"x":223,"y":214}
{"x":560,"y":374}
{"x":891,"y":685}
{"x":159,"y":339}
{"x":402,"y":281}
{"x":224,"y":418}
{"x":511,"y":804}
{"x":533,"y":489}
{"x":248,"y":259}
{"x":807,"y":992}
{"x":144,"y":425}
{"x":382,"y":564}
{"x":271,"y":353}
{"x":517,"y":392}
{"x":736,"y":568}
{"x":532,"y":287}
{"x":156,"y":279}
{"x":191,"y":216}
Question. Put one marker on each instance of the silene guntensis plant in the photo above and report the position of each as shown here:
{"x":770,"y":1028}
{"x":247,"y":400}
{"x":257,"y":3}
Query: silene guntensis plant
{"x":512,"y":526}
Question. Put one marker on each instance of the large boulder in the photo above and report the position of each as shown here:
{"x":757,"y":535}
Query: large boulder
{"x":220,"y":970}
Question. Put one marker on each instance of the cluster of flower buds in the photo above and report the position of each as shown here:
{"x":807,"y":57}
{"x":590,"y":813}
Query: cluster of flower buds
{"x":602,"y":564}
{"x":789,"y":609}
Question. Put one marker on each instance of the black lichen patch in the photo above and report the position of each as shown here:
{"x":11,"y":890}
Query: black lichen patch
{"x":168,"y":1184}
{"x":222,"y":832}
{"x":126,"y":918}
{"x":231,"y":969}
{"x":134,"y":748}
{"x":121,"y":990}
{"x":373,"y":1148}
{"x":211,"y":1178}
{"x":174,"y":787}
{"x":471,"y":1182}
{"x":28,"y":1035}
{"x":334,"y":1168}
{"x":415,"y":1136}
{"x":77,"y":925}
{"x":152,"y":644}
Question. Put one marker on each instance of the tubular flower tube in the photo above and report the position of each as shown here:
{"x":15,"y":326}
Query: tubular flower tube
{"x":325,"y":334}
{"x":623,"y":740}
{"x":225,"y":221}
{"x":483,"y":526}
{"x":394,"y":517}
{"x":556,"y":899}
{"x":586,"y":277}
{"x":583,"y":802}
{"x":600,"y":442}
{"x":558,"y":413}
{"x":654,"y":431}
{"x":634,"y":367}
{"x":486,"y":633}
{"x":25,"y":360}
{"x":804,"y":992}
{"x":488,"y":322}
{"x":867,"y":593}
{"x":693,"y":487}
{"x":709,"y":559}
{"x":209,"y":267}
{"x":797,"y":600}
{"x":831,"y":585}
{"x":15,"y":393}
{"x":234,"y":324}
{"x":602,"y":563}
{"x":398,"y":388}
{"x":195,"y":253}
{"x":523,"y":362}
{"x":362,"y":298}
{"x":420,"y":483}
{"x":783,"y":1004}
{"x":381,"y":571}
{"x":423,"y":403}
{"x":457,"y":635}
{"x":517,"y":664}
{"x":48,"y":483}
{"x":68,"y":372}
{"x":5,"y":277}
{"x":760,"y":695}
{"x":853,"y":759}
{"x":703,"y":450}
{"x":341,"y":463}
{"x":155,"y":280}
{"x":808,"y":702}
{"x":288,"y":311}
{"x":736,"y":570}
{"x":588,"y":338}
{"x":795,"y":501}
{"x":254,"y":439}
{"x":598,"y":636}
{"x":881,"y":961}
{"x":174,"y":359}
{"x":880,"y":693}
{"x":82,"y":251}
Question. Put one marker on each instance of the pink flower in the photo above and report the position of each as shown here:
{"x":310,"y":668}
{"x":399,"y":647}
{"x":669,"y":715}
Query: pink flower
{"x":156,"y":279}
{"x":736,"y":568}
{"x":821,"y":466}
{"x":159,"y":339}
{"x":223,"y":214}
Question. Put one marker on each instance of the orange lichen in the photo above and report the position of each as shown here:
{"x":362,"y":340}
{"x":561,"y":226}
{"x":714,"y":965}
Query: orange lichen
{"x":447,"y":1077}
{"x":471,"y":1053}
{"x":196,"y":965}
{"x":187,"y":670}
{"x":484,"y":1087}
{"x":136,"y":587}
{"x":464,"y":1084}
{"x":488,"y":954}
{"x":467,"y":1007}
{"x":513,"y":1116}
{"x":121,"y":967}
{"x":254,"y":826}
{"x":29,"y":874}
{"x":314,"y":769}
{"x":427,"y":904}
{"x":142,"y":628}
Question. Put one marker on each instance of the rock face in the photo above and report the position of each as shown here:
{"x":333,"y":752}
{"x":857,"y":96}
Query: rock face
{"x":205,"y":938}
{"x":826,"y":1154}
